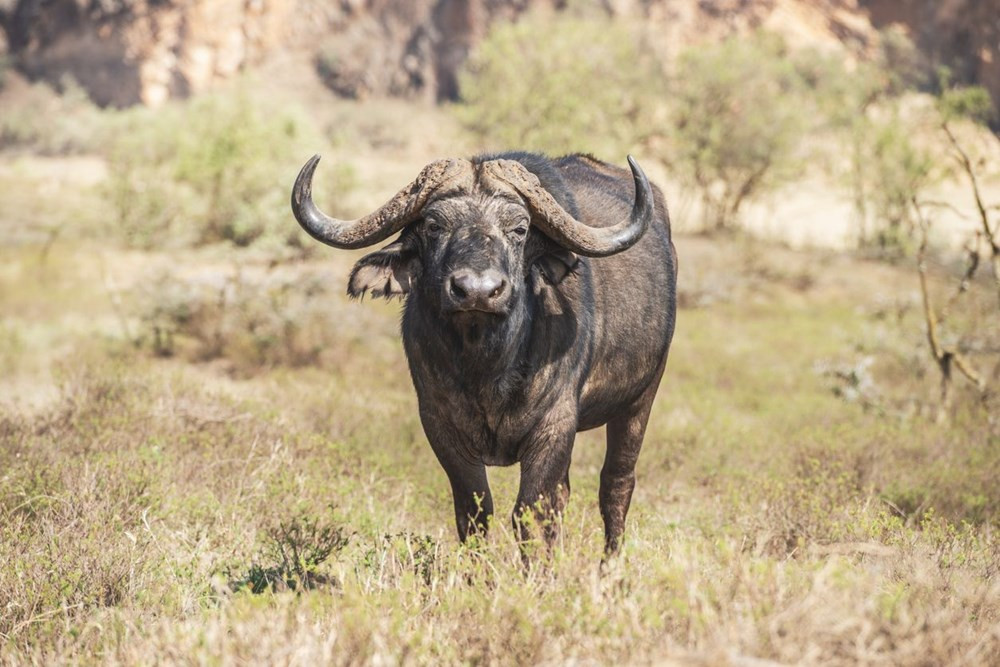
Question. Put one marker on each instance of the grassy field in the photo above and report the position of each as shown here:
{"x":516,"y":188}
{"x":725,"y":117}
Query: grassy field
{"x":228,"y":511}
{"x":209,"y":455}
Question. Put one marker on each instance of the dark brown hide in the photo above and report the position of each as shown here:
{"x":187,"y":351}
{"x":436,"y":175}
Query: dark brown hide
{"x":540,"y":300}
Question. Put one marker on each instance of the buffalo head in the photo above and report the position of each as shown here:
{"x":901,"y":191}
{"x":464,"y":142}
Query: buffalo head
{"x":472,"y":233}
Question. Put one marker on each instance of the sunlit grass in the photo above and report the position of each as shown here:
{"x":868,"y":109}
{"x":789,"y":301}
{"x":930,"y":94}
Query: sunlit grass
{"x":773,"y":518}
{"x":210,"y":454}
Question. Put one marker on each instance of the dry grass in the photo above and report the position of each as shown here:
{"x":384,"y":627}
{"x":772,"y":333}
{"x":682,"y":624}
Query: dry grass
{"x":255,"y":488}
{"x":774,"y":520}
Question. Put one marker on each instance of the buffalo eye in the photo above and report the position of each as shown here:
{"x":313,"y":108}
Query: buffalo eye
{"x":519,"y":231}
{"x":432,"y":226}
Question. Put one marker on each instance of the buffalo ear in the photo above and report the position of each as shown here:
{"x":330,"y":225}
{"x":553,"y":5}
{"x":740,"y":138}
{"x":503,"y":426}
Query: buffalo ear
{"x":557,"y":264}
{"x":386,"y":273}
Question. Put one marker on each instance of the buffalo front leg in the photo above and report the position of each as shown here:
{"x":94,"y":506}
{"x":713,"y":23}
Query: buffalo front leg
{"x":625,"y":434}
{"x":544,"y":491}
{"x":473,"y":502}
{"x":470,"y":488}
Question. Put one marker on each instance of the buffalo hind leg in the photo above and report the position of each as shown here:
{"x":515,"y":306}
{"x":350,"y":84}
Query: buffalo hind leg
{"x":625,"y":434}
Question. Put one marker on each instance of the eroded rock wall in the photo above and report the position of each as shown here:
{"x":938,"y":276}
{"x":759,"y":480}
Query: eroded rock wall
{"x":129,"y":51}
{"x":961,"y":34}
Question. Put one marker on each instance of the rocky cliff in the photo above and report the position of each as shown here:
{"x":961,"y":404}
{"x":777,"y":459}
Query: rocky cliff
{"x":962,"y":34}
{"x":128,"y":51}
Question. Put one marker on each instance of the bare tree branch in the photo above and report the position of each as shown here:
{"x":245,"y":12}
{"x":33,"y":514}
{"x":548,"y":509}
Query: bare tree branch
{"x":948,"y":205}
{"x":945,"y":357}
{"x":990,"y":233}
{"x":972,"y":264}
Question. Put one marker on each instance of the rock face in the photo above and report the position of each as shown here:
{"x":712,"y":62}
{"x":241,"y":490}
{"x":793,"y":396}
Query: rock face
{"x":125,"y":52}
{"x":410,"y":49}
{"x":962,"y":34}
{"x":128,"y":51}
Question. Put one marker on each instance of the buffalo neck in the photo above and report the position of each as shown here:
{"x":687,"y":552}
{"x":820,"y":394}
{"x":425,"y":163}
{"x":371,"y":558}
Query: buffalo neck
{"x":490,"y":364}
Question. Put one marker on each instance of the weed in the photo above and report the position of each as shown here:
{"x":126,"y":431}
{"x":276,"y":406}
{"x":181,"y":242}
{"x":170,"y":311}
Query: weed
{"x":297,"y":547}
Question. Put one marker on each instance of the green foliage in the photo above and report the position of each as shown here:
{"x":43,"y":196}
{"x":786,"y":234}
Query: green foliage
{"x":893,"y":161}
{"x":890,"y":160}
{"x":145,"y":201}
{"x":214,"y":169}
{"x":52,"y":123}
{"x":298,"y":547}
{"x":973,"y":103}
{"x":558,"y":84}
{"x":892,"y":170}
{"x":227,"y":155}
{"x":739,"y":110}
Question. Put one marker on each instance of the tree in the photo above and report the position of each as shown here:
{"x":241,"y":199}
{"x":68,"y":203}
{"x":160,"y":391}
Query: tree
{"x":955,"y":104}
{"x":560,"y":83}
{"x":738,"y":114}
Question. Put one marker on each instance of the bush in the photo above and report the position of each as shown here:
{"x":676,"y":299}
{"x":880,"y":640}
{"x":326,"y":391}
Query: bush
{"x":892,"y":170}
{"x":739,"y":110}
{"x":297,"y":548}
{"x":560,"y":84}
{"x":893,"y":162}
{"x":972,"y":103}
{"x":50,"y":122}
{"x":215,"y":169}
{"x":253,"y":321}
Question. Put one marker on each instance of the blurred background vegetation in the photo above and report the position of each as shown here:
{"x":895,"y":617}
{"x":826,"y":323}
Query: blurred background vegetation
{"x":196,"y":425}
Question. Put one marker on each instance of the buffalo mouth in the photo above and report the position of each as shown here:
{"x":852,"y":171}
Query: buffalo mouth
{"x":458,"y":313}
{"x":474,"y":325}
{"x":477,"y":317}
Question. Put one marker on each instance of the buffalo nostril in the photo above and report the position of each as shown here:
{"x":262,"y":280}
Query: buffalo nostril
{"x":457,"y":289}
{"x":473,"y":289}
{"x":499,"y":289}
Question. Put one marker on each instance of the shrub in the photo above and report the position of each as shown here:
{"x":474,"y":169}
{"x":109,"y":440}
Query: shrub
{"x":892,"y":161}
{"x":50,"y":122}
{"x":738,"y":113}
{"x":971,"y":103}
{"x":892,"y":170}
{"x":214,"y":169}
{"x":558,"y":84}
{"x":297,"y":548}
{"x":254,"y":321}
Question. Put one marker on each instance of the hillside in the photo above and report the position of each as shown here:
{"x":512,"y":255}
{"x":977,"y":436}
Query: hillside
{"x":134,"y":51}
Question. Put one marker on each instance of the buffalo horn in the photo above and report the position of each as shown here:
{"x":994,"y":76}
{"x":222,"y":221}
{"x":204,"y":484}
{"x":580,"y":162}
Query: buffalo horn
{"x":569,"y":232}
{"x":394,"y":215}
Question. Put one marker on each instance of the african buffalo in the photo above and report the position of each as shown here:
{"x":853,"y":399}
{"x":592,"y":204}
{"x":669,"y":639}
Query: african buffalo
{"x":540,"y":298}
